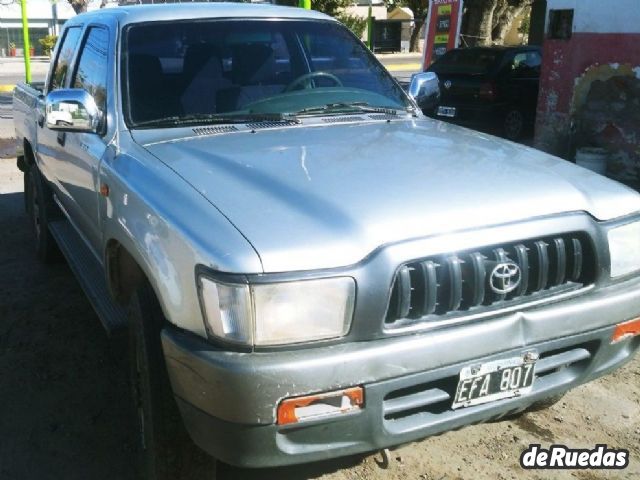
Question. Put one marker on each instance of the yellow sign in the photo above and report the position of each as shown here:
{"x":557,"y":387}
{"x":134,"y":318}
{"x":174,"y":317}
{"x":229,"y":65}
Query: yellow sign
{"x":444,"y":9}
{"x":441,"y":38}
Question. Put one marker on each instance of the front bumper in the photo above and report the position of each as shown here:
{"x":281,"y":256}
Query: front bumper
{"x":228,"y":399}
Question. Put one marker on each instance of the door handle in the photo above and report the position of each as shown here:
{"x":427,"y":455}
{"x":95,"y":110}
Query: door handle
{"x":62,"y":137}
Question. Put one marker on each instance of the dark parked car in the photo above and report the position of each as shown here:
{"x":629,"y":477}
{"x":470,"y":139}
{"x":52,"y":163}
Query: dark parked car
{"x":493,"y":88}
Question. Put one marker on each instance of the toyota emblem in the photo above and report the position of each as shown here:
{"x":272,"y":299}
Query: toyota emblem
{"x":505,"y":278}
{"x":447,"y":84}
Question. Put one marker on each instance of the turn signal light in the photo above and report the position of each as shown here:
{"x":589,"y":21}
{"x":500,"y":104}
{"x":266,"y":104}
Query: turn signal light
{"x":309,"y":407}
{"x":626,"y":330}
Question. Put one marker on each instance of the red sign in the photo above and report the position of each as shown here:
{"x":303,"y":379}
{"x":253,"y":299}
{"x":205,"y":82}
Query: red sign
{"x":443,"y":29}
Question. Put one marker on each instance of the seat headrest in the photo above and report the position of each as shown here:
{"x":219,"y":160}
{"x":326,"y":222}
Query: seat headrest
{"x":197,"y":56}
{"x":253,"y":63}
{"x":144,"y":70}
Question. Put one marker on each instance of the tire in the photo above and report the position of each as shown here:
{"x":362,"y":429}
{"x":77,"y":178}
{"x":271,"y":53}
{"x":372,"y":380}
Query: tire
{"x":165,"y":449}
{"x":513,"y":125}
{"x":41,"y":210}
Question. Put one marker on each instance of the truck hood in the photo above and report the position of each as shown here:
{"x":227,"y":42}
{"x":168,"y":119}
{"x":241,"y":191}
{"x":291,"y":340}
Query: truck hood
{"x":327,"y":196}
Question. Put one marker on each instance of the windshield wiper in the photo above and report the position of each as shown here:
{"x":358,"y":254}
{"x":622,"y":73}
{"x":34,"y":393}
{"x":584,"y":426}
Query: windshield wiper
{"x":216,"y":118}
{"x":352,"y":107}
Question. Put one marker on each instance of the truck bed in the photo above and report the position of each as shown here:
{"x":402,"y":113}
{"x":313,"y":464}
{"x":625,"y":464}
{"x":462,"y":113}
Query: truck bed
{"x":27,"y":99}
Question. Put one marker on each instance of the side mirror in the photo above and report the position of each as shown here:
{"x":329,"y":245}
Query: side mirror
{"x":425,"y":90}
{"x":72,"y":110}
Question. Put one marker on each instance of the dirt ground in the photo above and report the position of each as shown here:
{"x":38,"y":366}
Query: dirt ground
{"x":63,"y":395}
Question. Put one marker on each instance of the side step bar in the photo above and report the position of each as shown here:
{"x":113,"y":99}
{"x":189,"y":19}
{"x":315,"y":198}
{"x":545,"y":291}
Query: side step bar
{"x":89,"y":274}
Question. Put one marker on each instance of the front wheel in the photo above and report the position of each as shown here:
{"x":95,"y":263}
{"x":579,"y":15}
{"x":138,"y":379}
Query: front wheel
{"x":166,"y":451}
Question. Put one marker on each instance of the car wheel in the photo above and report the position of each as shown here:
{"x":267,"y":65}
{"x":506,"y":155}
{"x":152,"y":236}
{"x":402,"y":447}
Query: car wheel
{"x":165,"y":449}
{"x":513,"y":125}
{"x":41,"y":210}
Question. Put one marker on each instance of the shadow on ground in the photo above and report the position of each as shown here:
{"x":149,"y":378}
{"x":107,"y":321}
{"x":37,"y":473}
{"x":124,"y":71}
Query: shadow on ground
{"x":64,"y":396}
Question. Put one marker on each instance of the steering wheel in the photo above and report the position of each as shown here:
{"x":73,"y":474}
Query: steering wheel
{"x":308,"y":76}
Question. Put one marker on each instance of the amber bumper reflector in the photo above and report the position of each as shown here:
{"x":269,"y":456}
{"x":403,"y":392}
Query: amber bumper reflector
{"x":293,"y":410}
{"x":626,"y":330}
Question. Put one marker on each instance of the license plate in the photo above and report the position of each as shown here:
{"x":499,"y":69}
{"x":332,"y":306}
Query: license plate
{"x":487,"y":382}
{"x":447,"y":111}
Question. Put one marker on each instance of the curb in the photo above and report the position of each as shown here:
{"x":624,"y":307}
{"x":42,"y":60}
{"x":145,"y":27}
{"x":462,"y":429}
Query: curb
{"x":7,"y":88}
{"x":397,"y":67}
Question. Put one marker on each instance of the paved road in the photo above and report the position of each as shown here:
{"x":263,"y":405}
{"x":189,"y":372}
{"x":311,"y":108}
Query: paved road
{"x":6,"y":116}
{"x":12,"y":70}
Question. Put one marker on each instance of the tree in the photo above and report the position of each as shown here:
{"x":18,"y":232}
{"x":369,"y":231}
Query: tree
{"x":79,"y":6}
{"x":486,"y":22}
{"x":419,"y":8}
{"x":336,"y":9}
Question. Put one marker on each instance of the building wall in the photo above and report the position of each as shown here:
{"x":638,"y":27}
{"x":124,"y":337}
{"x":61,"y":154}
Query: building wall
{"x":44,"y":16}
{"x":590,"y":84}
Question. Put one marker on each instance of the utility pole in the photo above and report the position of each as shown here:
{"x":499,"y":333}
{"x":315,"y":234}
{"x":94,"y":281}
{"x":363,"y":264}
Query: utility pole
{"x":54,"y":16}
{"x":370,"y":26}
{"x":27,"y":47}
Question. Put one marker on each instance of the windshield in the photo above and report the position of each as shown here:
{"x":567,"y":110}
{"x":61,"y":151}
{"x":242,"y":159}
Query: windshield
{"x":198,"y":69}
{"x":470,"y":61}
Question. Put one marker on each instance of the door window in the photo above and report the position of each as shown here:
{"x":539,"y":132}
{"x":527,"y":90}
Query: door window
{"x":526,"y":65}
{"x":91,"y":74}
{"x":65,"y":55}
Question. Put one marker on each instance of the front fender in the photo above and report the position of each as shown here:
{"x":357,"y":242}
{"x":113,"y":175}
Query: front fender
{"x":169,"y":229}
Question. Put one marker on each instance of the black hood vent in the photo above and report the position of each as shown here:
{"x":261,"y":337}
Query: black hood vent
{"x":214,"y":130}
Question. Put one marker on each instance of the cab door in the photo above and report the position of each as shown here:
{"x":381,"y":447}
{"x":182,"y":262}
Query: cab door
{"x":79,"y":176}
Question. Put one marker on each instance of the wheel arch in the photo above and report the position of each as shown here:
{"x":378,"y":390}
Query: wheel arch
{"x":26,"y":158}
{"x":124,"y":273}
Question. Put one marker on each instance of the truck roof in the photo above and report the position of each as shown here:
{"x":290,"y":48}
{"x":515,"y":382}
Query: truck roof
{"x":185,"y":11}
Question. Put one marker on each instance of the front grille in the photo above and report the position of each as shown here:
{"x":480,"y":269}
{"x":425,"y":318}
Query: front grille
{"x":457,"y":284}
{"x":430,"y":402}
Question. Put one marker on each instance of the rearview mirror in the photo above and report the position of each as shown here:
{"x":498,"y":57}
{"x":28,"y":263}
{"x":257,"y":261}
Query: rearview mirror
{"x":425,"y":90}
{"x":72,"y":110}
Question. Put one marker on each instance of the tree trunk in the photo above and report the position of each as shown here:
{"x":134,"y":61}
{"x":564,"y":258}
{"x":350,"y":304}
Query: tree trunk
{"x":79,"y":6}
{"x":414,"y":40}
{"x":504,"y":22}
{"x":478,"y":22}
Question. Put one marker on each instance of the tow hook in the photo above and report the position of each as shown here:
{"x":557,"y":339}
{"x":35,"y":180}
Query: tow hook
{"x":385,"y":461}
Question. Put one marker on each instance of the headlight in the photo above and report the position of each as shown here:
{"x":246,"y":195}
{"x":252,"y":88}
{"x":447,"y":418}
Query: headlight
{"x":624,"y":249}
{"x":278,"y":313}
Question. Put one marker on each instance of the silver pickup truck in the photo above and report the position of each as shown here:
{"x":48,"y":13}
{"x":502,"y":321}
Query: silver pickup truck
{"x":306,"y":265}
